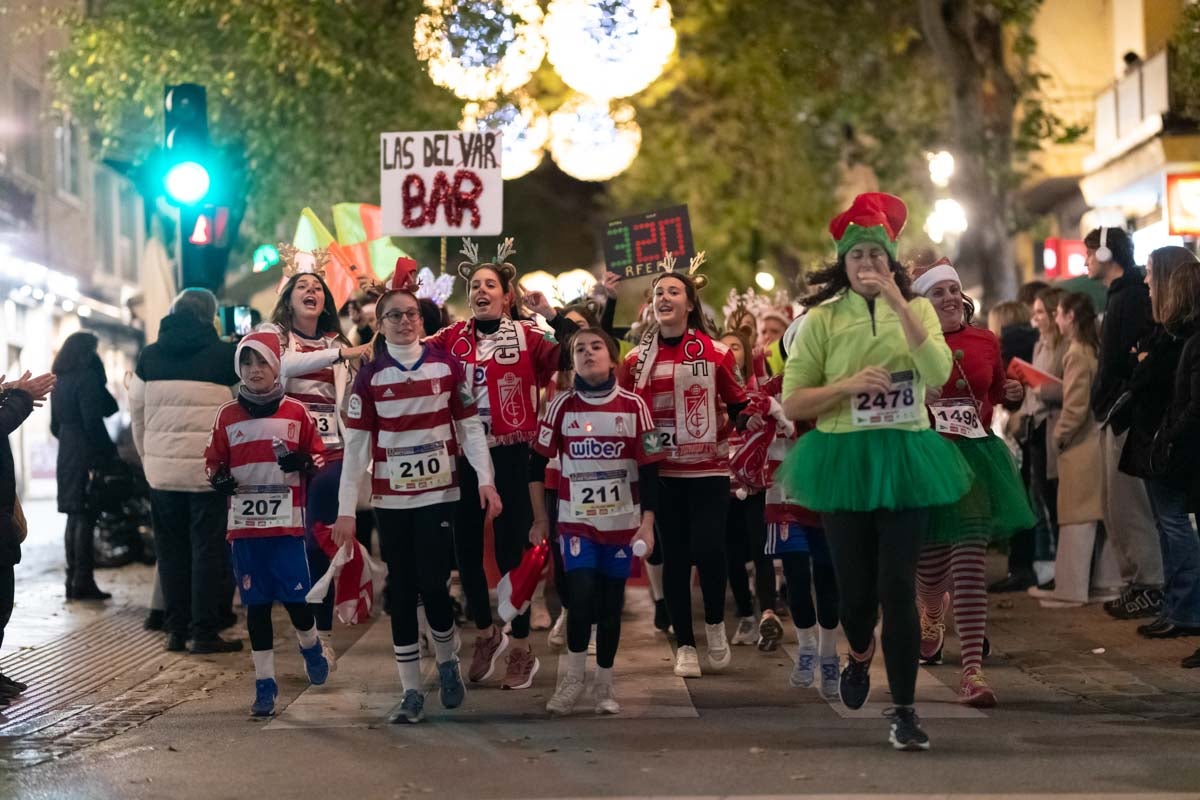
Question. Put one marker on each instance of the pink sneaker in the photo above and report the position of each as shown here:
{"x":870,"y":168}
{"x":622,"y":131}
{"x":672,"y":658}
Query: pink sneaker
{"x":487,"y":652}
{"x":522,"y":666}
{"x":975,"y":691}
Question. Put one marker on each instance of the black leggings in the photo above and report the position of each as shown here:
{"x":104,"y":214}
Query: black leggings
{"x":691,"y":525}
{"x":745,"y":535}
{"x":510,"y":529}
{"x":561,"y":585}
{"x":804,"y":573}
{"x":875,"y":555}
{"x":416,"y":545}
{"x":598,"y":600}
{"x":258,"y":622}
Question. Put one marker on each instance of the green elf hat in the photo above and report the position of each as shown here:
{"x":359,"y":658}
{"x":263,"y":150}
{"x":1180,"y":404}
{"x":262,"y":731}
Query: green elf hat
{"x":872,"y":217}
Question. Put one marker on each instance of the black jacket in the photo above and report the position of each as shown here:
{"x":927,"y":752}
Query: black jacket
{"x":15,"y":406}
{"x":1017,"y":341}
{"x":188,"y":350}
{"x":78,"y":405}
{"x":1126,"y":320}
{"x":1151,"y":386}
{"x":1178,"y":440}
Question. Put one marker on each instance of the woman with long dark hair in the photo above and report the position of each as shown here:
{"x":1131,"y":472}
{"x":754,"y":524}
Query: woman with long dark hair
{"x":873,"y":468}
{"x":509,"y":360}
{"x":953,"y":558}
{"x":687,"y":379}
{"x":1150,"y":390}
{"x":316,"y":370}
{"x":78,"y":405}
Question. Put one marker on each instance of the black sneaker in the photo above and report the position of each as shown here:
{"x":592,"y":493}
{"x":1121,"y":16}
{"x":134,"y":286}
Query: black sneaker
{"x":215,"y":645}
{"x":1017,"y":581}
{"x":906,"y":731}
{"x":176,"y":643}
{"x":156,"y":620}
{"x":1137,"y":604}
{"x":17,"y":686}
{"x":855,"y":685}
{"x":662,"y":620}
{"x":1192,"y":661}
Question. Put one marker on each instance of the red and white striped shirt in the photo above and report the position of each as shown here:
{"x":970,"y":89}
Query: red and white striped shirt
{"x":269,"y":502}
{"x":692,"y":421}
{"x":601,"y":442}
{"x":316,"y":388}
{"x":411,"y":414}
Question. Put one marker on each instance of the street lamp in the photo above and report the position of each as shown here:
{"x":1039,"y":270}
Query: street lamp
{"x":765,"y":281}
{"x":947,"y":218}
{"x":941,"y":167}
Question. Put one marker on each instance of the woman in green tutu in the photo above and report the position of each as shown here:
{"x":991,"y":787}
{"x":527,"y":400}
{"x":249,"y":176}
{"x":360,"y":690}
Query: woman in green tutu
{"x":873,"y":468}
{"x":996,"y":507}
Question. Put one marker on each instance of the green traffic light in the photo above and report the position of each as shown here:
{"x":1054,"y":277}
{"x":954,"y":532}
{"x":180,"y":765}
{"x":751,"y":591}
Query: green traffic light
{"x":187,"y":182}
{"x":265,"y":257}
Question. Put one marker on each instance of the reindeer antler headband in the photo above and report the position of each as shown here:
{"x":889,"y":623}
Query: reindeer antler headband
{"x":467,"y":268}
{"x":297,"y":261}
{"x":668,"y":266}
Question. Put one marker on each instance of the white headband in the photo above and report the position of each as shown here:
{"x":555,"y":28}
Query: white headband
{"x":933,"y":276}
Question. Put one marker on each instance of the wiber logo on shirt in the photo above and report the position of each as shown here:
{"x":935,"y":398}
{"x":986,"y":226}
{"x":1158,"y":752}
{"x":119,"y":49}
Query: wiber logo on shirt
{"x":594,"y":448}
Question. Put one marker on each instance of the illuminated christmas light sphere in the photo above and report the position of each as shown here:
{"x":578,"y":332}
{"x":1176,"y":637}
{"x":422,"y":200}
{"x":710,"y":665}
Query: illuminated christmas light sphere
{"x":480,"y":48}
{"x":526,"y":130}
{"x":609,"y":48}
{"x":592,"y":142}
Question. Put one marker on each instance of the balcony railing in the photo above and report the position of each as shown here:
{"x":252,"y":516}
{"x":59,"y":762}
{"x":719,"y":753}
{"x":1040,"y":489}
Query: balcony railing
{"x":1131,"y":110}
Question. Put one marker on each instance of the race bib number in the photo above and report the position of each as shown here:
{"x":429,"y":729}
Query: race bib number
{"x":957,"y":417}
{"x":261,"y":507}
{"x":325,"y":418}
{"x":597,"y":495}
{"x":895,"y":406}
{"x":419,"y":468}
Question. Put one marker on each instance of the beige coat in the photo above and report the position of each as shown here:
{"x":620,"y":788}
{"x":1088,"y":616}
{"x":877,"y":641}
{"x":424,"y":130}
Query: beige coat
{"x":1047,"y":400}
{"x":1077,"y":440}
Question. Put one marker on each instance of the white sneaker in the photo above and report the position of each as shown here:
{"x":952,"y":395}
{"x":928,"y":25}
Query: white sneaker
{"x":831,"y":678}
{"x":719,"y":654}
{"x":746,"y":632}
{"x":330,"y":655}
{"x":592,"y":642}
{"x":539,"y":616}
{"x":566,"y":695}
{"x":804,"y":670}
{"x":606,"y":699}
{"x":687,"y":662}
{"x":558,"y":634}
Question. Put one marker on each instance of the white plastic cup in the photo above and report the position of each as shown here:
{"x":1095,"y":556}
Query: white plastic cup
{"x":639,"y":548}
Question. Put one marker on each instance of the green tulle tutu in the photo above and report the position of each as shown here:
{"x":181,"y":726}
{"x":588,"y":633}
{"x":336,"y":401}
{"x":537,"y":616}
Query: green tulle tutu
{"x":996,"y":507}
{"x":874,"y":469}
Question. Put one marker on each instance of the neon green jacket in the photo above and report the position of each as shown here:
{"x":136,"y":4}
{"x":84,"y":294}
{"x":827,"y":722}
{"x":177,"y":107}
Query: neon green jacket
{"x":840,"y":337}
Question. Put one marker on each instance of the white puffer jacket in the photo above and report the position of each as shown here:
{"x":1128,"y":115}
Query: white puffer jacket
{"x":172,"y":421}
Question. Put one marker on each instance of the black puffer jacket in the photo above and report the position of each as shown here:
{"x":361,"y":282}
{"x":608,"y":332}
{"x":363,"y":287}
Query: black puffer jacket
{"x":15,"y":406}
{"x":1178,"y":441}
{"x":1127,"y":320}
{"x":1150,"y":386}
{"x":78,"y":405}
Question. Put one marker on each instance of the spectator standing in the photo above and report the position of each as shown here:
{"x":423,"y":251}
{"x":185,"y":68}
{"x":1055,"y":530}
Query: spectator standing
{"x":78,"y":405}
{"x":180,"y":383}
{"x":17,"y":401}
{"x":1128,"y":518}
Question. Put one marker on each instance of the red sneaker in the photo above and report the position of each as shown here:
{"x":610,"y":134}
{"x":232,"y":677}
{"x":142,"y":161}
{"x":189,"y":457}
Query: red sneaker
{"x":975,"y":691}
{"x":487,"y":652}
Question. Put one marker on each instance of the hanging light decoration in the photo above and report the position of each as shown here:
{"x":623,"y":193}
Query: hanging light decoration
{"x":525,"y":126}
{"x":592,"y":142}
{"x":479,"y":48}
{"x":609,"y":48}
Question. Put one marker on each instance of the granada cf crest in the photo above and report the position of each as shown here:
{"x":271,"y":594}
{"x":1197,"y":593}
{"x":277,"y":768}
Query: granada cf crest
{"x":695,"y":410}
{"x":435,"y":386}
{"x":512,"y":410}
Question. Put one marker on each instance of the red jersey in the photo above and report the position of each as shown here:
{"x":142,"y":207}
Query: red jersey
{"x":600,"y":442}
{"x":269,"y":502}
{"x":978,"y":371}
{"x":316,"y":388}
{"x":687,"y":386}
{"x":410,"y":413}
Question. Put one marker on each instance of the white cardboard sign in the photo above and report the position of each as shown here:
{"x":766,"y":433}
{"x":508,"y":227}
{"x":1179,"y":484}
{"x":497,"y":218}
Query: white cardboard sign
{"x":441,"y":183}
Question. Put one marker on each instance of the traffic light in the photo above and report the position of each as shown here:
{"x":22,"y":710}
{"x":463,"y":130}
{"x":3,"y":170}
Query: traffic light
{"x":188,"y":159}
{"x":265,"y":257}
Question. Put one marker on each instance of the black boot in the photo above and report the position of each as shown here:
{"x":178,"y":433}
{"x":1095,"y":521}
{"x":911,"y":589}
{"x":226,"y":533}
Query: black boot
{"x":84,"y":584}
{"x":69,"y":548}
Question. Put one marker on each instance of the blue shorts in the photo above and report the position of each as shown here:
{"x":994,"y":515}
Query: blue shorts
{"x":792,"y":537}
{"x":610,"y":560}
{"x":270,"y":569}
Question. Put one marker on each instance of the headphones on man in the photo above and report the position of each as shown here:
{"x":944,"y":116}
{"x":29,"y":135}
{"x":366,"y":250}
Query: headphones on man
{"x":1103,"y":253}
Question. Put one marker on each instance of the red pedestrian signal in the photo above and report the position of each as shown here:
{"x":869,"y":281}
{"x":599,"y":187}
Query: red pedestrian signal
{"x":202,"y":233}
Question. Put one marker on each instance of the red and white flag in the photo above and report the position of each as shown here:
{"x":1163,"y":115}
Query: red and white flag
{"x":516,"y":588}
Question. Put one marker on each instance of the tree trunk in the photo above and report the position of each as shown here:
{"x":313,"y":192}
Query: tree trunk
{"x":969,"y":44}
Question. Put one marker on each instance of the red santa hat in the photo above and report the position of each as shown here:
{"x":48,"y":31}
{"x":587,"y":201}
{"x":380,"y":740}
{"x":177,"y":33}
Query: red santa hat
{"x":938,"y":272}
{"x":872,"y":217}
{"x":265,"y":343}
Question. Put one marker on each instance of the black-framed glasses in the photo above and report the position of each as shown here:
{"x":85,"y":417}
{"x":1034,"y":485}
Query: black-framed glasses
{"x":412,"y":315}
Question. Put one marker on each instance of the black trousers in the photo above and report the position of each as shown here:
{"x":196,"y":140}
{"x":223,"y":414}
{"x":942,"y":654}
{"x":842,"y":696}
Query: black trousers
{"x":746,"y":533}
{"x":8,"y":594}
{"x":80,"y":543}
{"x":691,"y":527}
{"x":875,"y":556}
{"x":189,"y":535}
{"x":598,"y":600}
{"x":417,"y":545}
{"x":510,"y":529}
{"x":562,"y":586}
{"x":805,"y":573}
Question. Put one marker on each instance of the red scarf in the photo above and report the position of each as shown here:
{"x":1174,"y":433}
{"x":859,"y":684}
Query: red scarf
{"x":510,"y":373}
